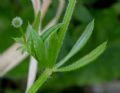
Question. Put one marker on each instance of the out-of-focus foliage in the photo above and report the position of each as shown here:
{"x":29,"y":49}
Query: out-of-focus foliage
{"x":107,"y":27}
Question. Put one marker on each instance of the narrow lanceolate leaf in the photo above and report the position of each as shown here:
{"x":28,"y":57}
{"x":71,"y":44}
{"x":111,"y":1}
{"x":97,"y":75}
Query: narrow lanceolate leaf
{"x":66,"y":21}
{"x":40,"y":81}
{"x":79,"y":44}
{"x":54,"y":41}
{"x":85,"y":60}
{"x":51,"y":48}
{"x":45,"y":34}
{"x":37,"y":22}
{"x":67,"y":18}
{"x":28,"y":30}
{"x":36,"y":47}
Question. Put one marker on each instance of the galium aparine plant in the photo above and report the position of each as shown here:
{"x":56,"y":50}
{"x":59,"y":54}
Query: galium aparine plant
{"x":45,"y":48}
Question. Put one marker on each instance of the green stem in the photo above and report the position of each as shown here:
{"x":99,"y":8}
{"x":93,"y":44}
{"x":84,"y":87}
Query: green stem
{"x":23,"y":35}
{"x":40,"y":81}
{"x":66,"y":21}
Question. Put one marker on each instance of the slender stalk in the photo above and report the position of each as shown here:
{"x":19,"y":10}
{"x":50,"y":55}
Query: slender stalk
{"x":40,"y":81}
{"x":23,"y":35}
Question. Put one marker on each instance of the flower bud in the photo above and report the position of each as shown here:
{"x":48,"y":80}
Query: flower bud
{"x":17,"y":22}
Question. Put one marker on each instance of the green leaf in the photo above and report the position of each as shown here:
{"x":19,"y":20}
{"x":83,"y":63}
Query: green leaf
{"x":37,"y":22}
{"x":67,"y":18}
{"x":36,"y":47}
{"x":28,"y":30}
{"x":85,"y":60}
{"x":45,"y":34}
{"x":40,"y":81}
{"x":45,"y":52}
{"x":54,"y":42}
{"x":79,"y":44}
{"x":51,"y":48}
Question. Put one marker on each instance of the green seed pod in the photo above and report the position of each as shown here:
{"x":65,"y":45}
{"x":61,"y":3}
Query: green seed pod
{"x":17,"y":22}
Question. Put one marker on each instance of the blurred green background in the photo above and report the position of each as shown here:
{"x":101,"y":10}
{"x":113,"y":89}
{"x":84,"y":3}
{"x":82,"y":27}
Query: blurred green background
{"x":107,"y":27}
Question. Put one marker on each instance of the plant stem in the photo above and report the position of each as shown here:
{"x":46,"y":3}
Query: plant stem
{"x":66,"y":21}
{"x":40,"y":81}
{"x":23,"y":35}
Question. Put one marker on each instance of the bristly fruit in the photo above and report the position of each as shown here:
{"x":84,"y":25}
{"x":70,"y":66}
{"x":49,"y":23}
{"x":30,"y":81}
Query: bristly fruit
{"x":17,"y":22}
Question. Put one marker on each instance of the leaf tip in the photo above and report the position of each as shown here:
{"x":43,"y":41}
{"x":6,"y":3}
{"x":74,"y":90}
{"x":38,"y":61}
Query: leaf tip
{"x":103,"y":46}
